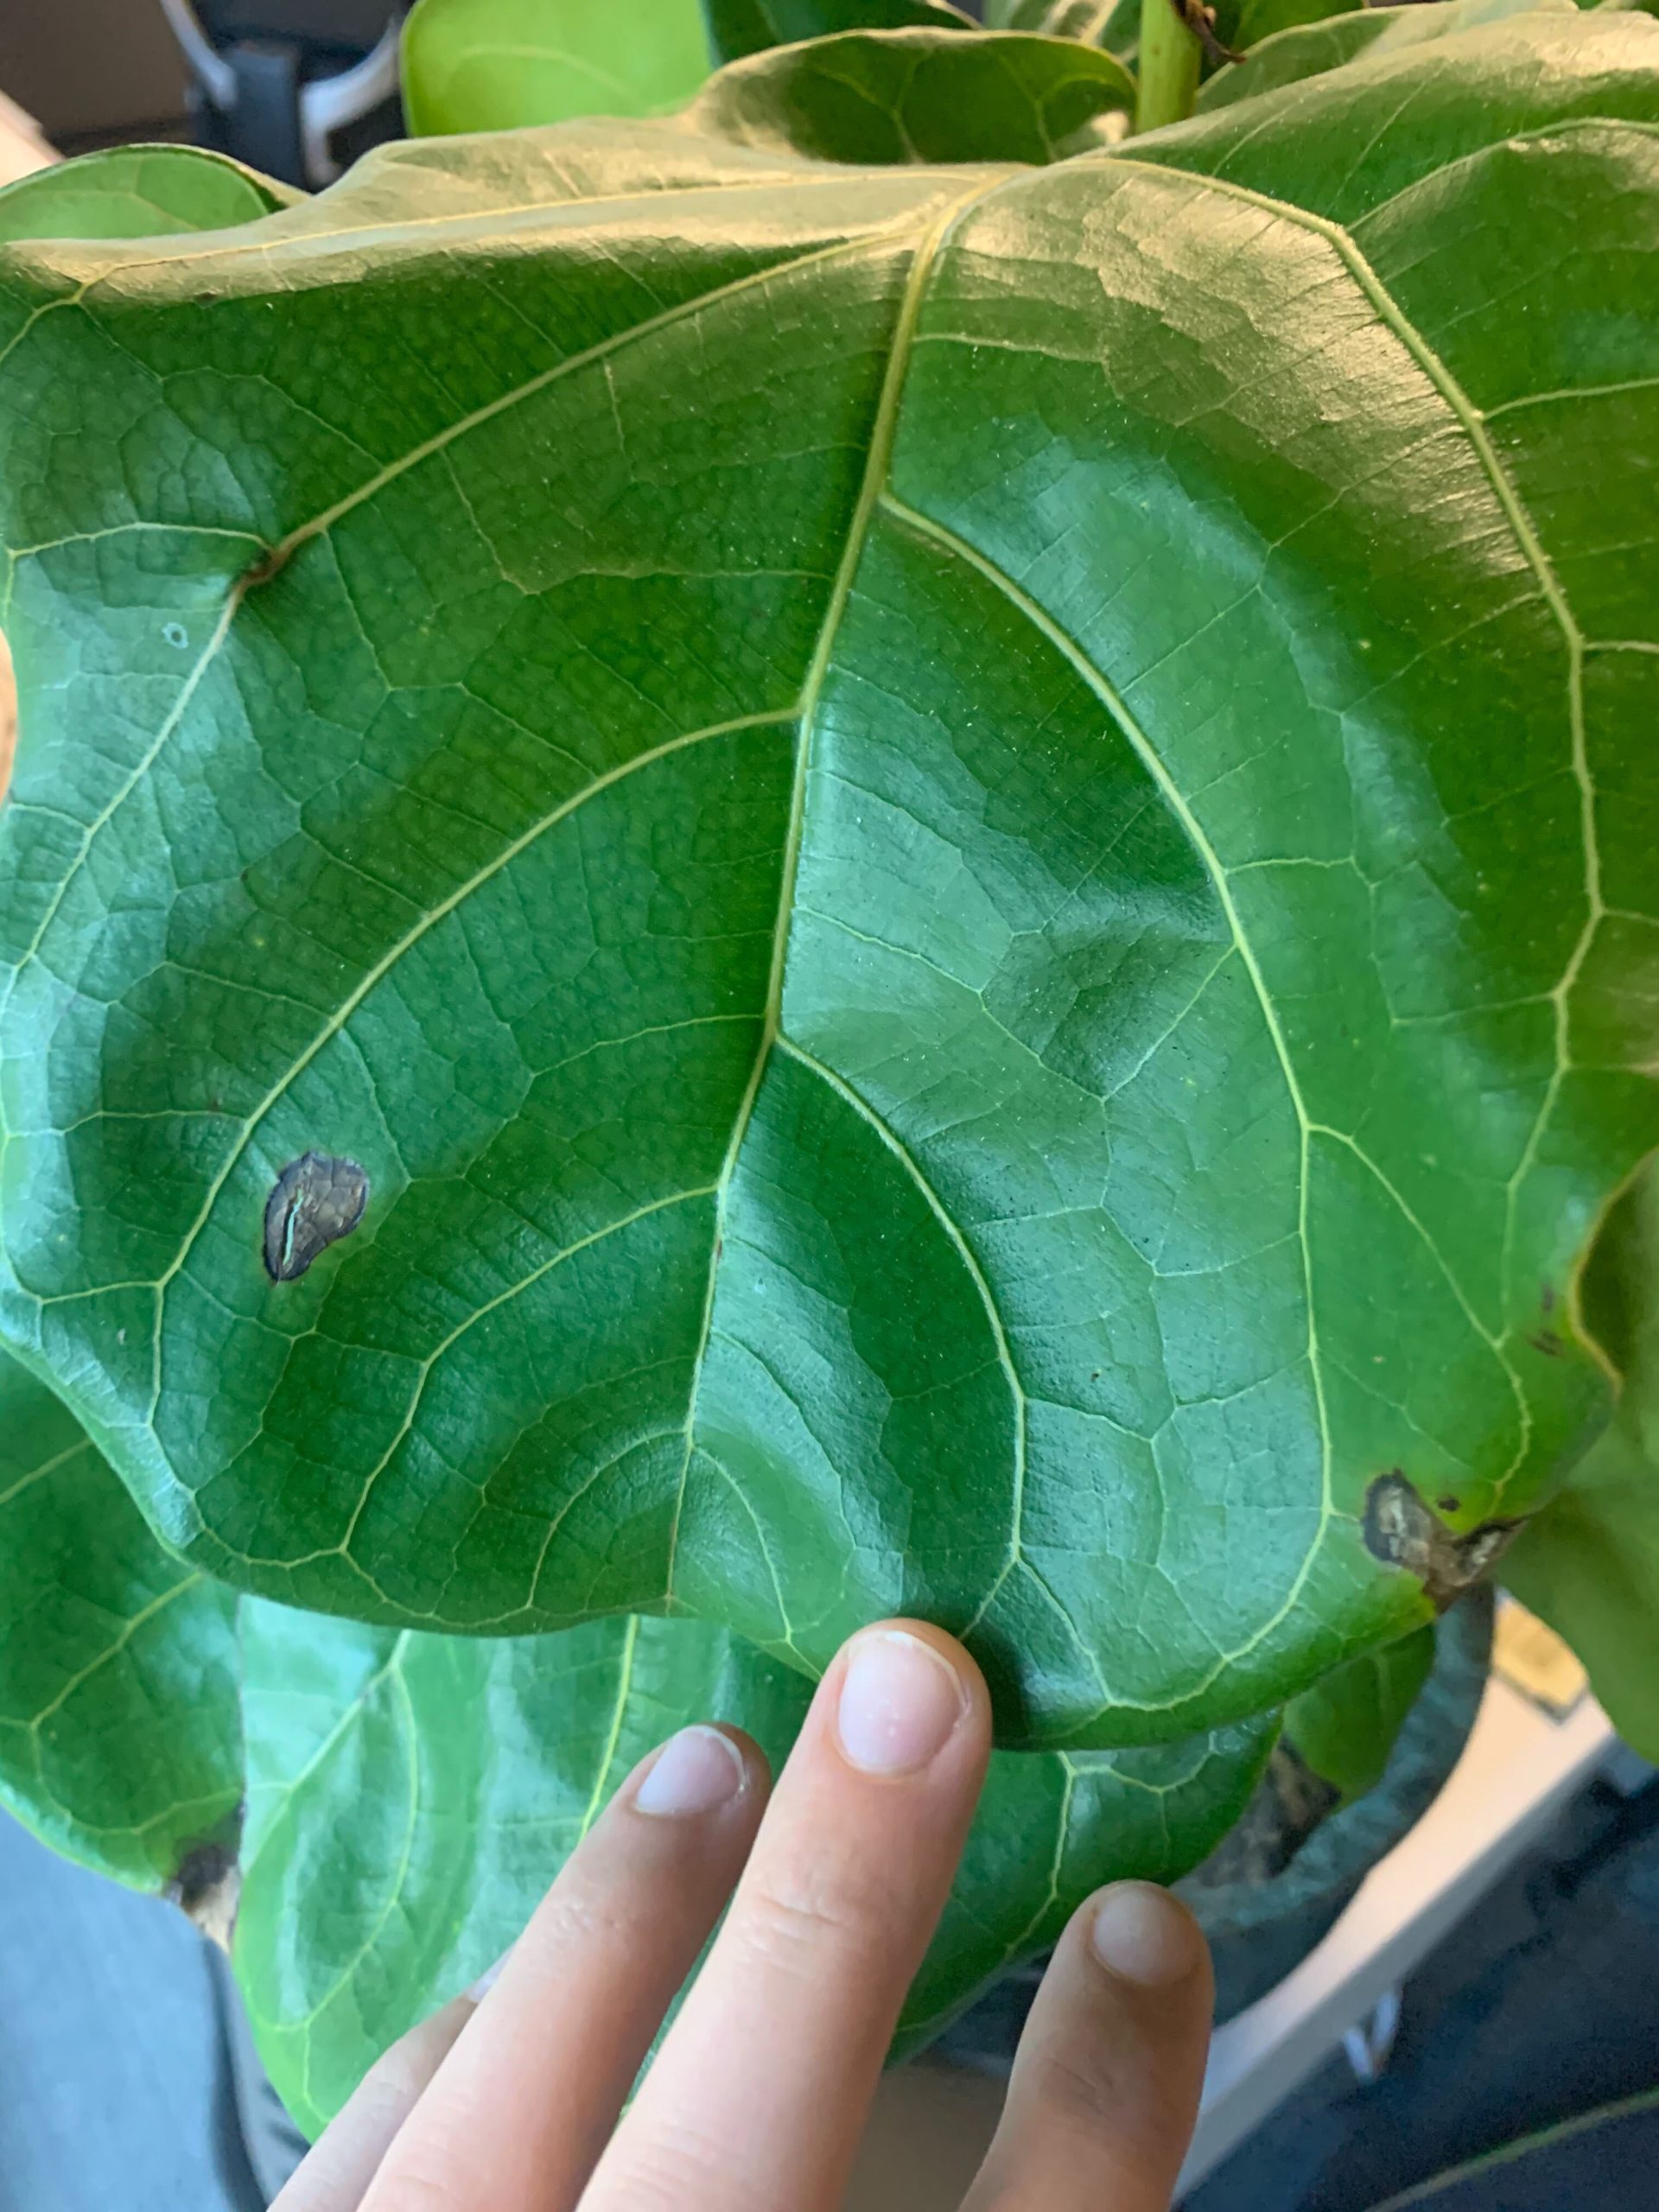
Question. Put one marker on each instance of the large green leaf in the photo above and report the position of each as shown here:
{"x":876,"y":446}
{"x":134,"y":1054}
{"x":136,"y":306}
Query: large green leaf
{"x":491,"y":64}
{"x":131,"y":192}
{"x":1308,"y":48}
{"x":915,"y":96}
{"x":1590,"y":1565}
{"x":119,"y":1740}
{"x":741,"y":26}
{"x":932,"y":834}
{"x":411,"y":1797}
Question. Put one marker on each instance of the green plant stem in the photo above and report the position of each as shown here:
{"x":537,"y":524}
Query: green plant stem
{"x":1168,"y":69}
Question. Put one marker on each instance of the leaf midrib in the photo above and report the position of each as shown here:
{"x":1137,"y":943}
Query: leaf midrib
{"x":877,"y":460}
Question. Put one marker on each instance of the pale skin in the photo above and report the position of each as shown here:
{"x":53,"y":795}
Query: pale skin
{"x":511,"y":2100}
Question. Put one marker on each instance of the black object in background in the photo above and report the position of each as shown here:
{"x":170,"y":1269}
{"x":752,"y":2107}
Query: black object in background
{"x":297,"y":89}
{"x":1540,"y":2005}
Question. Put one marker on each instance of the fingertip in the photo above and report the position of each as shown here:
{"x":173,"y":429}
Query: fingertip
{"x":901,"y":1693}
{"x":1143,"y":1934}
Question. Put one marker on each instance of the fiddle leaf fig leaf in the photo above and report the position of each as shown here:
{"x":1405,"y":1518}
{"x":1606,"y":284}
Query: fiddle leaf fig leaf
{"x":409,"y":1797}
{"x":120,"y":1743}
{"x":1589,"y":1565}
{"x":367,"y":1903}
{"x":917,"y":96}
{"x":741,"y":26}
{"x":963,"y":853}
{"x":133,"y":192}
{"x":1344,"y":1728}
{"x":1308,"y":48}
{"x":492,"y":65}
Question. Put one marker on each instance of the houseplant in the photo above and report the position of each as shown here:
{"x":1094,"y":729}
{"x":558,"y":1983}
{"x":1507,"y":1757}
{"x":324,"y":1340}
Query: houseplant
{"x":868,"y":849}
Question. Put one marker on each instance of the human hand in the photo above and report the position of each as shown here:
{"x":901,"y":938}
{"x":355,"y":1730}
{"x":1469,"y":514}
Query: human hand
{"x":509,"y":2100}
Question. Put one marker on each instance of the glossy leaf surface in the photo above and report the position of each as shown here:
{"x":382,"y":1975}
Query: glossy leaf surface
{"x":411,"y":1797}
{"x":1590,"y":1565}
{"x":940,"y":838}
{"x":119,"y":1737}
{"x":492,"y":65}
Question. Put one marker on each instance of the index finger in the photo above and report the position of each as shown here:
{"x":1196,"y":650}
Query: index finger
{"x":760,"y":2092}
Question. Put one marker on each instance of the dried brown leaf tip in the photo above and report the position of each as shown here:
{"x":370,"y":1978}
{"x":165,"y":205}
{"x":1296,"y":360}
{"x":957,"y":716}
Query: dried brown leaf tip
{"x":314,"y":1202}
{"x":1404,"y":1531}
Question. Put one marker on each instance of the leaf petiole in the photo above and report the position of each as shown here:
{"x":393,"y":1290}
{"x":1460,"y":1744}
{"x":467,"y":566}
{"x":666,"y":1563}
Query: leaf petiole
{"x":1168,"y":71}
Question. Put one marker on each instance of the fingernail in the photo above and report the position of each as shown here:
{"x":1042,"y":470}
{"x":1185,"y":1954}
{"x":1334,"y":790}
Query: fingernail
{"x":1141,"y":1933}
{"x":486,"y":1981}
{"x":901,"y":1701}
{"x":695,"y":1771}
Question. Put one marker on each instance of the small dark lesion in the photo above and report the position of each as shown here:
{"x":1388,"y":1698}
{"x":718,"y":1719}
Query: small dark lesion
{"x":1403,"y":1531}
{"x":207,"y":1886}
{"x":1546,"y":1342}
{"x":315,"y":1201}
{"x":269,"y":563}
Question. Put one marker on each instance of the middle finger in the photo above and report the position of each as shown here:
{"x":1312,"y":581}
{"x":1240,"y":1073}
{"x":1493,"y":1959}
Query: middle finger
{"x":760,"y":2091}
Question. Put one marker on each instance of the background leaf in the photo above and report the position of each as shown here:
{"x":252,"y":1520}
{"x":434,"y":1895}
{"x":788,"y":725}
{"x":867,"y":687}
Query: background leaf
{"x":132,"y":191}
{"x":1309,"y":48}
{"x":120,"y":1742}
{"x":948,"y":880}
{"x":1590,"y":1565}
{"x":1345,"y":1726}
{"x":741,"y":26}
{"x":492,"y":65}
{"x":411,"y":1797}
{"x":918,"y":96}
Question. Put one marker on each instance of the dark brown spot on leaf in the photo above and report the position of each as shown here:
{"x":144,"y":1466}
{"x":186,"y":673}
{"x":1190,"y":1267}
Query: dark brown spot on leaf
{"x":1402,"y":1530}
{"x":314,"y":1202}
{"x":274,"y":559}
{"x":207,"y":1887}
{"x":1546,"y":1342}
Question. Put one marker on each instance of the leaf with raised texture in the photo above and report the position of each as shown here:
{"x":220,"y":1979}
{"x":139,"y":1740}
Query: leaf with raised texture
{"x":493,"y":65}
{"x":120,"y":1741}
{"x":411,"y":1797}
{"x":934,"y":834}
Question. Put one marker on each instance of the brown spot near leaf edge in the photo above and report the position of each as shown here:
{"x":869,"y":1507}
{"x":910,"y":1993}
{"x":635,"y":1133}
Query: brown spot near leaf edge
{"x":1546,"y":1342}
{"x":315,"y":1201}
{"x":207,"y":1889}
{"x":1402,"y":1531}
